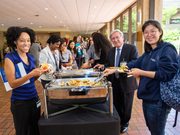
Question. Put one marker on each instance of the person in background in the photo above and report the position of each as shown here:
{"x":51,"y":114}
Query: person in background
{"x":6,"y":49}
{"x":65,"y":54}
{"x":90,"y":57}
{"x":67,"y":41}
{"x":78,"y":48}
{"x":85,"y":42}
{"x":79,"y":39}
{"x":90,"y":42}
{"x":40,"y":44}
{"x":158,"y":63}
{"x":72,"y":48}
{"x":123,"y":86}
{"x":25,"y":104}
{"x":34,"y":50}
{"x":83,"y":46}
{"x":50,"y":55}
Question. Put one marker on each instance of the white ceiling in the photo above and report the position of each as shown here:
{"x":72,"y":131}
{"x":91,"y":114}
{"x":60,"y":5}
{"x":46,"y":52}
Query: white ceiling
{"x":81,"y":16}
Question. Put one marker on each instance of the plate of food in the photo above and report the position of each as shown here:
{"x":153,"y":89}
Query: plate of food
{"x":45,"y":66}
{"x":123,"y":69}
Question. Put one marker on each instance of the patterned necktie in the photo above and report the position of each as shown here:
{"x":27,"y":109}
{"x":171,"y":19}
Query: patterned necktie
{"x":117,"y":61}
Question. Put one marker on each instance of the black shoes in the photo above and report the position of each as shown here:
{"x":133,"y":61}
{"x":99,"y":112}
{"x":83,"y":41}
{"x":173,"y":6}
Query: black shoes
{"x":123,"y":129}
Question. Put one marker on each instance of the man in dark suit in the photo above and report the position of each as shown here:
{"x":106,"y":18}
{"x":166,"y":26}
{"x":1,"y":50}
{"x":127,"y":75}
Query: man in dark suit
{"x":123,"y":85}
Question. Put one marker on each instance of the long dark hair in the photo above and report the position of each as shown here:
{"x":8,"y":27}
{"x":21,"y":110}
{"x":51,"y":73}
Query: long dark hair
{"x":147,"y":46}
{"x":62,"y":41}
{"x":14,"y":32}
{"x":75,"y":39}
{"x":69,"y":48}
{"x":101,"y":42}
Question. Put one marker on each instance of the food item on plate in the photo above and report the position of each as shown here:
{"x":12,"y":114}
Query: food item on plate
{"x":84,"y":82}
{"x":63,"y":64}
{"x":45,"y":66}
{"x":122,"y":69}
{"x":111,"y":67}
{"x":62,"y":83}
{"x":79,"y":71}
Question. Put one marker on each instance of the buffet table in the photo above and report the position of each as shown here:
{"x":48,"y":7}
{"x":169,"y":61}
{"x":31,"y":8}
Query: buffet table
{"x":80,"y":121}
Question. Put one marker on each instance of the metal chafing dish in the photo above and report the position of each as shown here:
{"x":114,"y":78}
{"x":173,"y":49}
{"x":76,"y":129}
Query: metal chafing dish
{"x":58,"y":91}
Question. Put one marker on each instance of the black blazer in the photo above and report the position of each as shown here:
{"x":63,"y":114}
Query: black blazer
{"x":128,"y":53}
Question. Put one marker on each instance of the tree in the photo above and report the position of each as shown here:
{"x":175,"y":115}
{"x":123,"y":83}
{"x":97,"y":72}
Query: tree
{"x":172,"y":35}
{"x":168,"y":12}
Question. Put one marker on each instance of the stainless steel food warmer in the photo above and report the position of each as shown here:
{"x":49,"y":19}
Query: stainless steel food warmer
{"x":64,"y":89}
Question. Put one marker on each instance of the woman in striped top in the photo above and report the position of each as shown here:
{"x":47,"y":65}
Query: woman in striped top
{"x":25,"y":104}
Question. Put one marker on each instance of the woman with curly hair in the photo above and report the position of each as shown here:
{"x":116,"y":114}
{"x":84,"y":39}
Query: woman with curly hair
{"x":25,"y":104}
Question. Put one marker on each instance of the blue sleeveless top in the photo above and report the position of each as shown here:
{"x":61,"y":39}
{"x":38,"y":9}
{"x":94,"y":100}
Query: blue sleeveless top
{"x":27,"y":91}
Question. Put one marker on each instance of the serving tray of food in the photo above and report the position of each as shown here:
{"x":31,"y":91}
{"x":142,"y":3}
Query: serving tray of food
{"x":77,"y":90}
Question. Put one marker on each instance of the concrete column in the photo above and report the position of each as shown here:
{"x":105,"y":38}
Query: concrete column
{"x":1,"y":43}
{"x":142,"y":16}
{"x":130,"y":25}
{"x":158,"y":10}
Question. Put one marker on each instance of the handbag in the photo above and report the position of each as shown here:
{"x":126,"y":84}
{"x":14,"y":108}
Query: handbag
{"x":170,"y":92}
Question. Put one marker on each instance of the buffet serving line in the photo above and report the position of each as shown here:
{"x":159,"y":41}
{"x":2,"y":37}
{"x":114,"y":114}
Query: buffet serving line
{"x":79,"y":102}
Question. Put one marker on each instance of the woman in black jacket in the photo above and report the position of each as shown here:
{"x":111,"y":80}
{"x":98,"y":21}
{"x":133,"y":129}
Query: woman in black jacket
{"x":101,"y":45}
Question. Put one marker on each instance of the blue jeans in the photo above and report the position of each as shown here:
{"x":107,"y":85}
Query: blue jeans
{"x":156,"y":114}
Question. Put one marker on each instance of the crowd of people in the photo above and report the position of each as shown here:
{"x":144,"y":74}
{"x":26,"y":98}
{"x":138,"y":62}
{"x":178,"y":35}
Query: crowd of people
{"x":96,"y":52}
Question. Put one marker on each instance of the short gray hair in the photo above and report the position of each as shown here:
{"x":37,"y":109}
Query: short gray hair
{"x":116,"y":30}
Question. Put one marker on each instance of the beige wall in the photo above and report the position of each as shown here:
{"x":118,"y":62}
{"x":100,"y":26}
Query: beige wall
{"x":42,"y":37}
{"x":68,"y":35}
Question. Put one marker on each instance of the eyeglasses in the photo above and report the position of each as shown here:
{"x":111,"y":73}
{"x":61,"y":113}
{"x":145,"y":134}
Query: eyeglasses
{"x":152,"y":32}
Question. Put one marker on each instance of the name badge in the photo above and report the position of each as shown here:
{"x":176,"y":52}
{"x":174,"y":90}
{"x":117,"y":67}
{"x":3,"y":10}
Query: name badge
{"x":38,"y":103}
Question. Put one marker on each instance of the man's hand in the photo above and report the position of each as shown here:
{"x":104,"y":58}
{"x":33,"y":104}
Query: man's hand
{"x":109,"y":72}
{"x":99,"y":66}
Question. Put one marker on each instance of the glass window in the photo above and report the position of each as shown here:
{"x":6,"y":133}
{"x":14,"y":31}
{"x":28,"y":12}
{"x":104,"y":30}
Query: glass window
{"x":133,"y":28}
{"x":125,"y":26}
{"x":118,"y":23}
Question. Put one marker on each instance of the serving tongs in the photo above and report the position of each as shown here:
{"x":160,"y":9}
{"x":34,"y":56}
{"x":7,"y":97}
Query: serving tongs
{"x":98,"y":79}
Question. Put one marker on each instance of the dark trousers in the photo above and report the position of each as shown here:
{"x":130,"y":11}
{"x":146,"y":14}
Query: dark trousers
{"x":26,"y":116}
{"x":78,"y":60}
{"x":123,"y":102}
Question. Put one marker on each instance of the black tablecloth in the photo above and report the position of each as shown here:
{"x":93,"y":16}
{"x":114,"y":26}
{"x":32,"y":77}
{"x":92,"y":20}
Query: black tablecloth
{"x":80,"y":122}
